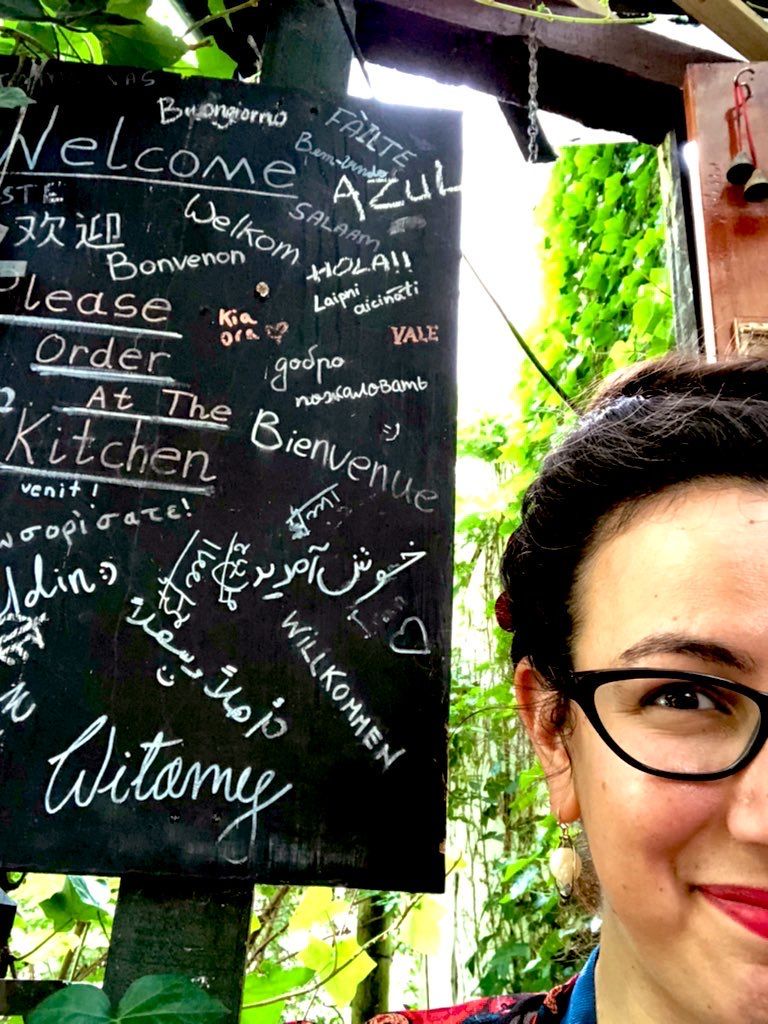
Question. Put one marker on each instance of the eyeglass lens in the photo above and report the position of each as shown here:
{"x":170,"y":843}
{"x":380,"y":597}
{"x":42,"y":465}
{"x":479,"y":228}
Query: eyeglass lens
{"x":678,"y":725}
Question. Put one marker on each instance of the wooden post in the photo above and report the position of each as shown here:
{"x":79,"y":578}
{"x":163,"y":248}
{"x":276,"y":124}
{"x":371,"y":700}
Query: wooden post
{"x":306,"y":46}
{"x":180,"y":926}
{"x":194,"y":927}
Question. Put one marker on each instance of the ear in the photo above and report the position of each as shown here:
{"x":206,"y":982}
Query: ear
{"x":534,"y":701}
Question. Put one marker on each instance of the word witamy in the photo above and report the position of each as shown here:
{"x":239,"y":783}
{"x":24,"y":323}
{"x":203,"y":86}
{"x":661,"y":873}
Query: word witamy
{"x":394,"y":193}
{"x":334,"y":681}
{"x":90,"y":768}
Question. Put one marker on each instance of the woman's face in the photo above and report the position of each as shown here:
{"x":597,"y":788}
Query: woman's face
{"x":687,"y":578}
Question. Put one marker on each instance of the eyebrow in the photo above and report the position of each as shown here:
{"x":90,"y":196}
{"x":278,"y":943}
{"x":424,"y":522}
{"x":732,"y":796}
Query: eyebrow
{"x":679,"y":643}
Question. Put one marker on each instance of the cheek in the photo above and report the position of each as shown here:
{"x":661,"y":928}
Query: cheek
{"x":645,"y":833}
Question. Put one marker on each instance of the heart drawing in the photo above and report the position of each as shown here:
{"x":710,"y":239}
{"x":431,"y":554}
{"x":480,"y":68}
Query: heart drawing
{"x":275,"y":332}
{"x":411,"y":638}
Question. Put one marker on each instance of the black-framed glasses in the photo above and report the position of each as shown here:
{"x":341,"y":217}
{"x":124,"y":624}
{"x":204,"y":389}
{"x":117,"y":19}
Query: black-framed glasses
{"x":677,"y":725}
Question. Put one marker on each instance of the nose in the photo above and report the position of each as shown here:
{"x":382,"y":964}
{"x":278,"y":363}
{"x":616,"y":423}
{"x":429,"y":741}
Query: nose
{"x":747,"y":814}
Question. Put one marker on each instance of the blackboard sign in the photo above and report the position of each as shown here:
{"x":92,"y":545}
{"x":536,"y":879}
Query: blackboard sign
{"x":227,"y":433}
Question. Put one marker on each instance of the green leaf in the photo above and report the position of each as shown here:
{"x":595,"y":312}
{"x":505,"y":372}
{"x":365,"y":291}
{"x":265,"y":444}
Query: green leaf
{"x":343,"y":957}
{"x":267,"y":986}
{"x":214,"y":63}
{"x":81,"y":899}
{"x":11,"y":97}
{"x":421,"y":929}
{"x":168,"y":999}
{"x":147,"y":44}
{"x":78,"y":1004}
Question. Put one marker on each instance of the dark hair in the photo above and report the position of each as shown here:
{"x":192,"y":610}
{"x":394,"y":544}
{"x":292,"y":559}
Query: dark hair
{"x":646,"y":429}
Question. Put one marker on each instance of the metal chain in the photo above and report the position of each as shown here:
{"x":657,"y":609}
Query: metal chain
{"x":533,"y":96}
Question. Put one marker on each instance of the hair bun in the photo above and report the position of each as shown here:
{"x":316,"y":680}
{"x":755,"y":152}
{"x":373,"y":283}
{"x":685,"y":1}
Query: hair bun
{"x":503,"y":608}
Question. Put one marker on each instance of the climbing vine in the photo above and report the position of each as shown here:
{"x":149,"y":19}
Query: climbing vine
{"x":606,"y":304}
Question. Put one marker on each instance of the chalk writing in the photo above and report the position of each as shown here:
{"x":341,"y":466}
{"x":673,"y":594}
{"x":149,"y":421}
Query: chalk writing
{"x":413,"y":335}
{"x":311,"y":509}
{"x":368,"y":389}
{"x":339,"y":687}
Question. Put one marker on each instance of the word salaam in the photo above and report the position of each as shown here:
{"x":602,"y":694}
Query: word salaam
{"x":319,"y":218}
{"x":87,"y":155}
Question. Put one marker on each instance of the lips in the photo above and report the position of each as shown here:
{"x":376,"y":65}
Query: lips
{"x":748,"y":907}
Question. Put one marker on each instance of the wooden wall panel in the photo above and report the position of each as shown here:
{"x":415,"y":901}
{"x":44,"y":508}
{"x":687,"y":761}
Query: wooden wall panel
{"x":736,"y":231}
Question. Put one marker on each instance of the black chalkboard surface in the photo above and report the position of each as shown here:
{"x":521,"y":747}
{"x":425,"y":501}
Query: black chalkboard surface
{"x":227,"y":435}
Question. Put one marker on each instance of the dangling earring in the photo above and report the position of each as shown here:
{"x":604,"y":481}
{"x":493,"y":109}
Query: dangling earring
{"x":565,"y":864}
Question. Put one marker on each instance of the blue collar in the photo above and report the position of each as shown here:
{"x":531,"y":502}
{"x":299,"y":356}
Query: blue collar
{"x":582,"y":1008}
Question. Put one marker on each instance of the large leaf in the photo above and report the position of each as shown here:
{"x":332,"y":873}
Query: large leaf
{"x":168,"y":999}
{"x":267,"y":986}
{"x":421,"y":929}
{"x":317,"y":906}
{"x":146,"y":44}
{"x":214,"y":63}
{"x":78,"y":1004}
{"x":81,"y":899}
{"x":11,"y":97}
{"x":344,"y":961}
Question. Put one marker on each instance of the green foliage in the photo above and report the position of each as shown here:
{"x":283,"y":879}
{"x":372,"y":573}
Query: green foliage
{"x":119,"y":32}
{"x":81,"y":899}
{"x":606,"y":304}
{"x":155,"y":999}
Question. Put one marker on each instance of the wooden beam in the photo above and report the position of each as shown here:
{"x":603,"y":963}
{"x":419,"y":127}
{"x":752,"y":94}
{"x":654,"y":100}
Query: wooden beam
{"x":598,"y":85}
{"x":630,"y":47}
{"x":734,"y":22}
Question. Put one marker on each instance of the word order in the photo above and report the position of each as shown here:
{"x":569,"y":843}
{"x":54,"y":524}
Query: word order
{"x":358,"y":468}
{"x":221,"y":115}
{"x":333,"y":680}
{"x":123,"y":307}
{"x":182,"y":164}
{"x":414,"y":335}
{"x":360,"y":128}
{"x":77,"y":778}
{"x":399,"y":192}
{"x":319,"y":218}
{"x":355,"y":267}
{"x":279,"y":382}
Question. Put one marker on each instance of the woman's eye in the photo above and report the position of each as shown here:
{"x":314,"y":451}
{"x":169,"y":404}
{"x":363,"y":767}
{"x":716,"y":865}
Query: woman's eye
{"x":680,"y":699}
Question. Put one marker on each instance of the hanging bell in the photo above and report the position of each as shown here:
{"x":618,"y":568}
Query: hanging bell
{"x":756,"y":189}
{"x":740,"y":169}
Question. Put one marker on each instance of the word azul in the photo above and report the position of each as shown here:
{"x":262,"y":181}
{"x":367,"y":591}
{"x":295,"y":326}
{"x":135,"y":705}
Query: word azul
{"x":398,"y":192}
